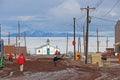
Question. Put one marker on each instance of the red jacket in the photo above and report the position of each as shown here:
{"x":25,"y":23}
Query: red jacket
{"x":21,"y":59}
{"x":10,"y":55}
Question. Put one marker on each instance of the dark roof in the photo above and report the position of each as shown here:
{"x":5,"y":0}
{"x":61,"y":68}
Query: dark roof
{"x":44,"y":46}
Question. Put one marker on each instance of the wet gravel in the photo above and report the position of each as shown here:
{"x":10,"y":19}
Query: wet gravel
{"x":44,"y":69}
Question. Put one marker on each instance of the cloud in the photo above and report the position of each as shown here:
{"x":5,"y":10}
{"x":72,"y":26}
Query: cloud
{"x":25,"y":18}
{"x":113,"y":14}
{"x":102,"y":33}
{"x":21,"y":18}
{"x":6,"y":29}
{"x":61,"y":15}
{"x":67,"y":8}
{"x":53,"y":15}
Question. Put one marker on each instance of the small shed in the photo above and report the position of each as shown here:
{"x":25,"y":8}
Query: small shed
{"x":96,"y":58}
{"x":46,"y":49}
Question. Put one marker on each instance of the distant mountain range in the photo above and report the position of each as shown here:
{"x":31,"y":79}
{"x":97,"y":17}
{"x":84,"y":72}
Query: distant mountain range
{"x":50,"y":34}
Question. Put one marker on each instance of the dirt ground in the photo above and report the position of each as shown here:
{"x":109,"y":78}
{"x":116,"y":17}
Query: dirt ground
{"x":42,"y":68}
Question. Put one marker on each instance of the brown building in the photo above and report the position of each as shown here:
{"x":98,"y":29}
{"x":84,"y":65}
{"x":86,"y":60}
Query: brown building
{"x":117,"y":37}
{"x":9,"y":49}
{"x":21,"y":49}
{"x":15,"y":50}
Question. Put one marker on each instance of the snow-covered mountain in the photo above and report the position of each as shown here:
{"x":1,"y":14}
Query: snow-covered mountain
{"x":39,"y":33}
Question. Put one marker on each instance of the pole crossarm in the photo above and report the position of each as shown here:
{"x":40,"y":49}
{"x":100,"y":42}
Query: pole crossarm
{"x":87,"y":8}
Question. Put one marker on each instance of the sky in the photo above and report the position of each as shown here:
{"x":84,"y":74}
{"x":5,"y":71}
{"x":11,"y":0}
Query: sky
{"x":57,"y":15}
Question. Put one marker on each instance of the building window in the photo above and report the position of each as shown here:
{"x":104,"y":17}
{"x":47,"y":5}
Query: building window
{"x":119,"y":48}
{"x":38,"y":51}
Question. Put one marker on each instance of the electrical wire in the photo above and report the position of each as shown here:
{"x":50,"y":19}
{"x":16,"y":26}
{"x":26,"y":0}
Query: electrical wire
{"x":112,"y":8}
{"x":83,"y":23}
{"x":80,"y":28}
{"x":99,"y":3}
{"x":103,"y":19}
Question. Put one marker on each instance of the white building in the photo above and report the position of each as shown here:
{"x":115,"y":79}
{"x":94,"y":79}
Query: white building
{"x":46,"y":49}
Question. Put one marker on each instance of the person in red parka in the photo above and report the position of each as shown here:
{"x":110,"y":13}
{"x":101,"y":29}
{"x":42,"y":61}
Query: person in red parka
{"x":21,"y":61}
{"x":10,"y":57}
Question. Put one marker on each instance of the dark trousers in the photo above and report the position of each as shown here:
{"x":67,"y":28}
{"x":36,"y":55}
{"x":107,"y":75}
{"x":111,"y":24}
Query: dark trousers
{"x":55,"y":63}
{"x":10,"y":59}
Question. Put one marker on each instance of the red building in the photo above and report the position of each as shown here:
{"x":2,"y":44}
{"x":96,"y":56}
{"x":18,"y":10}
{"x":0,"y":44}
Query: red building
{"x":110,"y":51}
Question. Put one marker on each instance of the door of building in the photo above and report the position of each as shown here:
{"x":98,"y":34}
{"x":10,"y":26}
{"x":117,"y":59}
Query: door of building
{"x":48,"y":51}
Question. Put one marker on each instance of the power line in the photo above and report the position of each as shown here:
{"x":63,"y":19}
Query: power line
{"x":82,"y":16}
{"x":98,"y":3}
{"x":112,"y":8}
{"x":81,"y":22}
{"x":103,"y":19}
{"x":79,"y":27}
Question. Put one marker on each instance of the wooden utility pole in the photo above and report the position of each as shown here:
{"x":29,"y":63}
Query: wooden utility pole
{"x":19,"y":36}
{"x":25,"y":42}
{"x":84,"y":42}
{"x":25,"y":38}
{"x":67,"y":45}
{"x":8,"y":38}
{"x":1,"y":54}
{"x":107,"y":42}
{"x":16,"y":46}
{"x":79,"y":45}
{"x":87,"y":32}
{"x":74,"y":42}
{"x":16,"y":41}
{"x":0,"y":31}
{"x":97,"y":41}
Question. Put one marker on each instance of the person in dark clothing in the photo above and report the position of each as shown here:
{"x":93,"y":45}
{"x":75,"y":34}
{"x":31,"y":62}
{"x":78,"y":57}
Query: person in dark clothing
{"x":104,"y":57}
{"x":55,"y":59}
